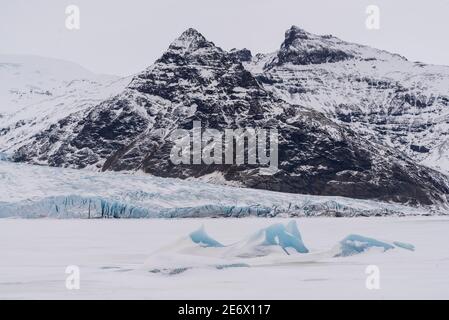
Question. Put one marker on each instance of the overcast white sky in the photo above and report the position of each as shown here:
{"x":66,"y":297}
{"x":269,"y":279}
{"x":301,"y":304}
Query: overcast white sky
{"x":124,"y":36}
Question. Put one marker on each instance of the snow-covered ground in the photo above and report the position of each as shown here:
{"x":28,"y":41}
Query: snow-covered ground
{"x":111,"y":255}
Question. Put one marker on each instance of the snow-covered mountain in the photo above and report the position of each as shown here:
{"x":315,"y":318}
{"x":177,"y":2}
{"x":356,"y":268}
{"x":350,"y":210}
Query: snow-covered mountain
{"x":196,"y":80}
{"x":26,"y":80}
{"x":37,"y":92}
{"x":380,"y":95}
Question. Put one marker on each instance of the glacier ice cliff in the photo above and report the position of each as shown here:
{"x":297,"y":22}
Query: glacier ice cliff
{"x":30,"y":191}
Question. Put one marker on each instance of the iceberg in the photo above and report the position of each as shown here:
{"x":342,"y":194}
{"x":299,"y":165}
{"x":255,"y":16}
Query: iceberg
{"x":275,"y":238}
{"x":273,"y":245}
{"x":356,"y":244}
{"x":199,"y":249}
{"x":403,"y":245}
{"x":202,"y":238}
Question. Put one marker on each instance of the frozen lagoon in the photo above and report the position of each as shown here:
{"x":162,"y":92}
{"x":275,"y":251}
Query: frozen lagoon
{"x":111,"y":253}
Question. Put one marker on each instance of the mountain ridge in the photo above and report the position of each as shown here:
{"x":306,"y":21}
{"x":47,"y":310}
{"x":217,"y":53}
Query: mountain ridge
{"x":194,"y":80}
{"x":382,"y":95}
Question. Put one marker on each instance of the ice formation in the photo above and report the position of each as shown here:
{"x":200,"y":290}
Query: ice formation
{"x":276,"y":244}
{"x":202,"y":238}
{"x":277,"y":238}
{"x":285,"y":236}
{"x":355,"y":244}
{"x":72,"y":193}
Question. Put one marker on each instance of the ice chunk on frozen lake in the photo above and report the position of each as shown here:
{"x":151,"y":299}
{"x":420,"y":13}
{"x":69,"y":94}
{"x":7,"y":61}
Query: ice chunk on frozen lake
{"x":276,"y":238}
{"x":404,"y":245}
{"x":203,"y":239}
{"x":286,"y":237}
{"x":199,"y":249}
{"x":355,"y":244}
{"x":274,"y":245}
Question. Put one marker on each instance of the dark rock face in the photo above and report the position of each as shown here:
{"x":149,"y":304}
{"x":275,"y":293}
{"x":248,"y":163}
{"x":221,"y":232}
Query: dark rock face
{"x":420,"y":149}
{"x":303,"y":48}
{"x":242,"y":55}
{"x":196,"y":81}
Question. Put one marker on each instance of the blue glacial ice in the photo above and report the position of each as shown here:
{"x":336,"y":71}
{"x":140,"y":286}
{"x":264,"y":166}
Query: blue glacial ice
{"x":404,"y":245}
{"x":277,"y":235}
{"x":356,"y":244}
{"x":273,"y":245}
{"x":75,"y":206}
{"x":283,"y":236}
{"x":199,"y":249}
{"x":203,"y":239}
{"x":277,"y":238}
{"x":36,"y":192}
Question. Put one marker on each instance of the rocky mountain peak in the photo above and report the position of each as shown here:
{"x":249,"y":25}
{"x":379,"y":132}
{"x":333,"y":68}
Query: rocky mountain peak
{"x":303,"y":48}
{"x":295,"y":33}
{"x":192,"y":48}
{"x":190,"y":40}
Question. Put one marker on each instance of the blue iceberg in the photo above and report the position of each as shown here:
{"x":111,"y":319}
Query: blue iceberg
{"x":404,"y":245}
{"x":203,"y":239}
{"x":287,"y":237}
{"x":355,"y":244}
{"x":284,"y":236}
{"x":273,"y":245}
{"x":278,"y":235}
